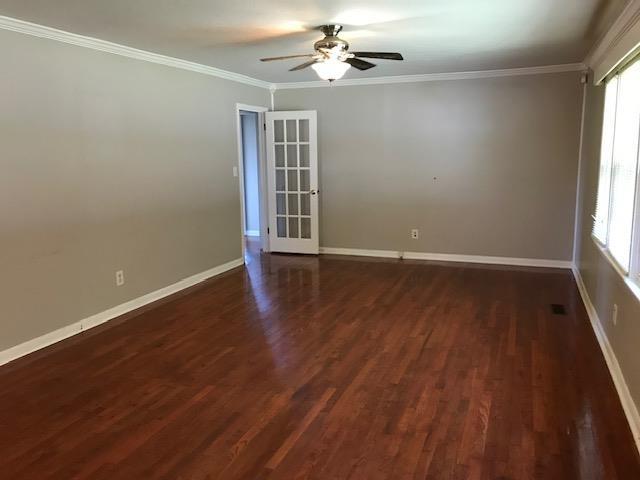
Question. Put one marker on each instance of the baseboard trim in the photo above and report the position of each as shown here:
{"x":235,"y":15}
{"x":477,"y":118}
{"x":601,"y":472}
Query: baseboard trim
{"x":56,"y":336}
{"x":628,"y":405}
{"x":357,"y":252}
{"x":447,"y":257}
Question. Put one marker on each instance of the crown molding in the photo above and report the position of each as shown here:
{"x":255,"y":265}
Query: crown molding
{"x":20,"y":26}
{"x":616,"y":43}
{"x":28,"y":28}
{"x":434,"y":77}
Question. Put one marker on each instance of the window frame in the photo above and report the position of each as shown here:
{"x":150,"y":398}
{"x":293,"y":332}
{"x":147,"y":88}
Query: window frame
{"x":634,"y":263}
{"x":632,"y":276}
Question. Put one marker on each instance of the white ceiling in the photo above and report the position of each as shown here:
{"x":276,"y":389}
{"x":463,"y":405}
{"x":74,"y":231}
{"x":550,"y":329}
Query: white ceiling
{"x":433,"y":35}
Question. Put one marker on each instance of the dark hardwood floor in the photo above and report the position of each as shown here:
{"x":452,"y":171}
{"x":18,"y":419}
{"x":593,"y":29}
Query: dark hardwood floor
{"x":327,"y":368}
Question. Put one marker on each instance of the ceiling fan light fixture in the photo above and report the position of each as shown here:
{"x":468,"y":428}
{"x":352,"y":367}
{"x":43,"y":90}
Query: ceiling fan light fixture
{"x":332,"y":58}
{"x":331,"y":69}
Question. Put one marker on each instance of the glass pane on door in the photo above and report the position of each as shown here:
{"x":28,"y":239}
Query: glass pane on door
{"x":282,"y":227}
{"x":292,"y":180}
{"x":293,"y":227}
{"x":279,"y":155}
{"x":305,"y":182}
{"x":293,"y":204}
{"x":281,"y":206}
{"x":292,"y":131}
{"x":305,"y":228}
{"x":305,"y":204}
{"x":304,"y":156}
{"x":292,"y":155}
{"x":280,"y":181}
{"x":278,"y":130}
{"x":303,"y":126}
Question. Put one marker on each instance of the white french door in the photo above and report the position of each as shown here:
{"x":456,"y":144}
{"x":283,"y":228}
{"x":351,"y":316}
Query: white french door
{"x":292,"y":164}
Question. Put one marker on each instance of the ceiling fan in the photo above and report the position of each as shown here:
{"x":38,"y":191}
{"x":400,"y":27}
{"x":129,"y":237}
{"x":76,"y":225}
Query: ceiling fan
{"x":332,"y":58}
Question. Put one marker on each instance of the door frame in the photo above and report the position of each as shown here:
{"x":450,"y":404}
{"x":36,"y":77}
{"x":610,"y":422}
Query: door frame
{"x":262,"y":174}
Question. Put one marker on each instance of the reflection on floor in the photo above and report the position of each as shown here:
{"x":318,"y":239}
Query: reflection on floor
{"x":327,"y":368}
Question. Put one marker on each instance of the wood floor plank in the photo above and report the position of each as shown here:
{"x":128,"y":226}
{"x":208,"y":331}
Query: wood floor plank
{"x":327,"y":368}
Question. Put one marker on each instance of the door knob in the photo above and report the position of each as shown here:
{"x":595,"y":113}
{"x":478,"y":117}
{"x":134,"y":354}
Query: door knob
{"x":313,"y":192}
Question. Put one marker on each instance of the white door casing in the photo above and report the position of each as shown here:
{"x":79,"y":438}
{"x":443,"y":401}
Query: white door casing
{"x":292,"y":164}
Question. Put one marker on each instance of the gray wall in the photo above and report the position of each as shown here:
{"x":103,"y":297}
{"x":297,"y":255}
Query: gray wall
{"x":108,"y":163}
{"x":480,"y":167}
{"x":604,"y":285}
{"x":250,"y":154}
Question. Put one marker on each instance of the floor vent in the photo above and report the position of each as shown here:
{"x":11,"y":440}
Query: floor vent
{"x":558,"y":309}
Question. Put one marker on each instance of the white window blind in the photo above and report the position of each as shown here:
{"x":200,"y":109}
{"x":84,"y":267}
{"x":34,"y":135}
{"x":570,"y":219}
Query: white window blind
{"x":616,"y":198}
{"x":601,"y":223}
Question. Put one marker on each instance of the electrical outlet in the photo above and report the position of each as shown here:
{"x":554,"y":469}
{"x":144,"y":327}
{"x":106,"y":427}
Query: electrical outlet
{"x":614,"y":315}
{"x":235,"y":171}
{"x":119,"y":278}
{"x":415,"y":233}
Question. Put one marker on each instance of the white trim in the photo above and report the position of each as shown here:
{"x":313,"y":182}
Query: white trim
{"x":628,"y":405}
{"x":252,"y":233}
{"x":358,"y":252}
{"x":615,"y":33}
{"x":50,"y":338}
{"x":251,"y":108}
{"x":272,"y":91}
{"x":634,"y":263}
{"x":447,"y":257}
{"x":20,"y":26}
{"x":28,"y":28}
{"x":576,"y":220}
{"x":616,"y":43}
{"x":519,"y":262}
{"x":433,"y":77}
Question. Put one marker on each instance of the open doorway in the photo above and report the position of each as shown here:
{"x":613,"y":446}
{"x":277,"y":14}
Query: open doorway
{"x":249,"y":127}
{"x":252,"y":173}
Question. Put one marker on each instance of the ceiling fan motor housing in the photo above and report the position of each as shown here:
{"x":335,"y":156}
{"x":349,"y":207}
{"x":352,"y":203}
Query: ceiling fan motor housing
{"x":331,"y":41}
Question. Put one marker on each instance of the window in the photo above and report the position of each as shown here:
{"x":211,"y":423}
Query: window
{"x":617,"y":219}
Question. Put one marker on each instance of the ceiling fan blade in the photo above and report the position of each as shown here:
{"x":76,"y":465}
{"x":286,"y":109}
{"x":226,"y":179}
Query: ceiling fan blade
{"x":383,"y":55}
{"x":360,"y":64}
{"x":304,"y":65}
{"x":271,"y":59}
